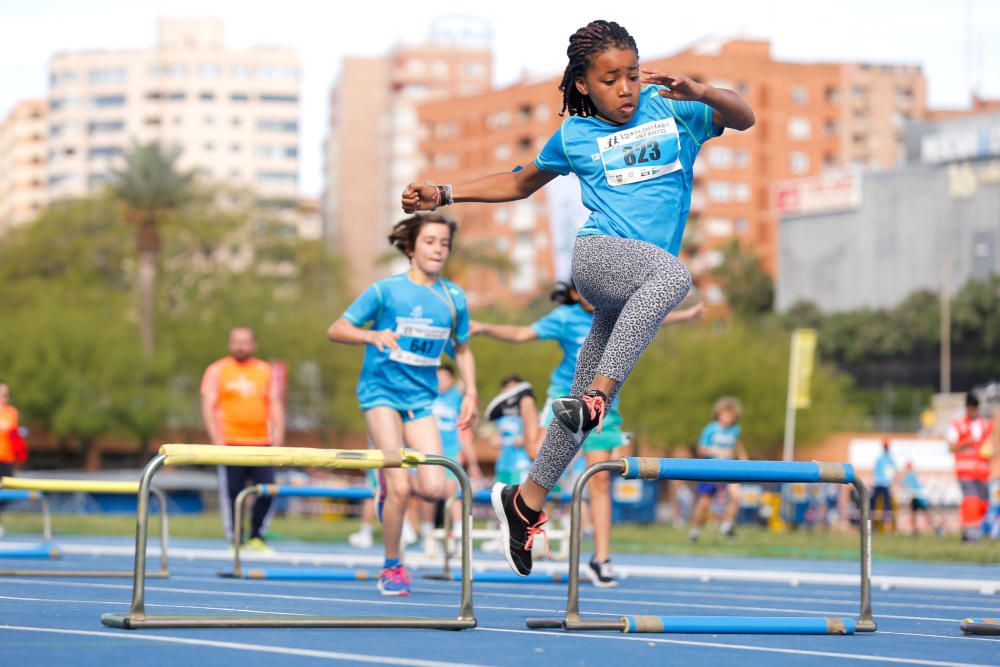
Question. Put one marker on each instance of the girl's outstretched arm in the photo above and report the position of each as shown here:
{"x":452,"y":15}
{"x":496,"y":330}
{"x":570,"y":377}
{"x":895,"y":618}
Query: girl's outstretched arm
{"x":504,"y":186}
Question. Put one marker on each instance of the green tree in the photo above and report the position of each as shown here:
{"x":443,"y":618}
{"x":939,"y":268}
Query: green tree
{"x":151,"y":188}
{"x":748,"y":288}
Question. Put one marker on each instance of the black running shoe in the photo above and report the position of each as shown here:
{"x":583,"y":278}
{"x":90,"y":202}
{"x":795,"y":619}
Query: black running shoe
{"x":601,"y":574}
{"x":579,"y":415}
{"x":517,"y":530}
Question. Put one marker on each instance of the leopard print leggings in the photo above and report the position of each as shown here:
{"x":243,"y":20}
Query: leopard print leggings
{"x":632,"y":285}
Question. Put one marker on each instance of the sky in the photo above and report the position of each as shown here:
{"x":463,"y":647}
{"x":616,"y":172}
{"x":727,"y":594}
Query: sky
{"x":948,"y":38}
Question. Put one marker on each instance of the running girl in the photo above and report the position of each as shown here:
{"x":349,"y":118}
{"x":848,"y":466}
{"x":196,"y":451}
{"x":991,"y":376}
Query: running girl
{"x":413,"y":316}
{"x":633,"y":150}
{"x":569,"y":325}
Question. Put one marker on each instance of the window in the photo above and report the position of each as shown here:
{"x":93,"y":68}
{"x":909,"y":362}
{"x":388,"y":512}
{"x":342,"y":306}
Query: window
{"x":499,"y":119}
{"x":439,"y":69}
{"x":719,"y":191}
{"x":239,"y":97}
{"x":241,"y":71}
{"x":799,"y":128}
{"x":799,"y":95}
{"x":103,"y":152}
{"x":236,"y":121}
{"x":100,"y":127}
{"x":832,"y":95}
{"x":270,"y":125}
{"x":209,"y":120}
{"x":446,"y":130}
{"x":153,"y":120}
{"x":235,"y":148}
{"x":278,"y":98}
{"x":524,"y":113}
{"x":502,"y":152}
{"x":798,"y":162}
{"x":741,"y":158}
{"x":524,"y":143}
{"x":276,"y":178}
{"x":719,"y":227}
{"x":60,"y":78}
{"x":208,"y":147}
{"x":106,"y":101}
{"x":474,"y":68}
{"x":720,"y":157}
{"x":742,"y":225}
{"x":60,"y":103}
{"x":741,"y":192}
{"x":859,"y":93}
{"x":831,"y":127}
{"x":206,"y":96}
{"x":176,"y":96}
{"x":107,"y":75}
{"x":277,"y":72}
{"x":97,"y":180}
{"x":209,"y":71}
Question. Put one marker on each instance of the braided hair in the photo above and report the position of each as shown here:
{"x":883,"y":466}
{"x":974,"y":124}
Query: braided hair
{"x":584,"y":44}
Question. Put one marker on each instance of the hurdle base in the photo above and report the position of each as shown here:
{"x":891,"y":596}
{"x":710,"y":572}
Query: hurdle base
{"x":102,"y":574}
{"x":136,"y":621}
{"x":981,"y":626}
{"x":578,"y":624}
{"x":865,"y":626}
{"x":297,"y":574}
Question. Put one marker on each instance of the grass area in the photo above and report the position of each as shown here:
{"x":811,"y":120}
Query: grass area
{"x":629,"y":538}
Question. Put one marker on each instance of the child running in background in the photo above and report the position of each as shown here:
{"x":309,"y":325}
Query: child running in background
{"x":516,"y":416}
{"x":413,"y":316}
{"x":568,"y":325}
{"x":455,"y":443}
{"x":720,"y":439}
{"x":634,"y":151}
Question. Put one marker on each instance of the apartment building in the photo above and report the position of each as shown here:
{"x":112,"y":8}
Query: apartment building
{"x":22,"y":163}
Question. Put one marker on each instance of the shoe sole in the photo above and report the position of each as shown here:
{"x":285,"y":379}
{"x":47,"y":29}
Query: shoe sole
{"x":391,"y":593}
{"x":497,"y":503}
{"x":594,"y":579}
{"x":572,"y":435}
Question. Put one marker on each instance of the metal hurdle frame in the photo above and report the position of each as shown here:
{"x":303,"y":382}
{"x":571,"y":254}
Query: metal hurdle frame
{"x":483,"y":497}
{"x":709,"y":470}
{"x":179,"y":454}
{"x":283,"y":490}
{"x":45,"y":485}
{"x":19,"y":495}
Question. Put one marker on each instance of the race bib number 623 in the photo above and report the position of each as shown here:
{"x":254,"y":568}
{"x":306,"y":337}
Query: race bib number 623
{"x":640,"y":153}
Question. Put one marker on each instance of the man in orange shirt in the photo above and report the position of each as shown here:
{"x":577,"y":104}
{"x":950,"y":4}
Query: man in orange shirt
{"x":241,"y":406}
{"x":8,"y":424}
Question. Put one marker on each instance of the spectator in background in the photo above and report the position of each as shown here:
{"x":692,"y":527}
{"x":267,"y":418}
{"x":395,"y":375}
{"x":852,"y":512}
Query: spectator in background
{"x":241,"y":406}
{"x":991,"y":451}
{"x":967,"y":437}
{"x":885,"y":474}
{"x":918,"y":498}
{"x":10,"y":438}
{"x":719,"y":440}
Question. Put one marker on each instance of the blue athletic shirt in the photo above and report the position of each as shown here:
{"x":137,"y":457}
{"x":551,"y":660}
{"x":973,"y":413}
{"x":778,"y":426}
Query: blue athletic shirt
{"x":425,"y":317}
{"x":446,"y":409}
{"x":636,"y":177}
{"x":885,"y":470}
{"x":569,"y":326}
{"x":719,"y":440}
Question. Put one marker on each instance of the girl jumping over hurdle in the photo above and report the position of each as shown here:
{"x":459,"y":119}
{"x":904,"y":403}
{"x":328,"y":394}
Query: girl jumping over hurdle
{"x":633,"y":150}
{"x":413,"y":317}
{"x":568,"y":325}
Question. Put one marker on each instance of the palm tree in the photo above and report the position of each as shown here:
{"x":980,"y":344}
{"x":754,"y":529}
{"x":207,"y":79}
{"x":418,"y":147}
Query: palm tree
{"x":150,"y":187}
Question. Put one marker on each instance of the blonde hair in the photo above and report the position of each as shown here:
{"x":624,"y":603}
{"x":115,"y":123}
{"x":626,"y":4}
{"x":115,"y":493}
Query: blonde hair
{"x":728,"y":403}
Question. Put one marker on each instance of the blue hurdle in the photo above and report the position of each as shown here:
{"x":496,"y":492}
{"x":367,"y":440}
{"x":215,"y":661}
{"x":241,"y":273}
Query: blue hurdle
{"x":25,"y":495}
{"x":37,"y":551}
{"x":289,"y":491}
{"x":508,"y":577}
{"x":708,"y":470}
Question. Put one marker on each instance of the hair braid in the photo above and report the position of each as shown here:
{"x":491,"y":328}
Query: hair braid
{"x":588,"y":41}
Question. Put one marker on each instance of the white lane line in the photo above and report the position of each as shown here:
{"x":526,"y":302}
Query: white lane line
{"x":517,"y":596}
{"x":253,"y":648}
{"x":744,"y":647}
{"x":923,"y":634}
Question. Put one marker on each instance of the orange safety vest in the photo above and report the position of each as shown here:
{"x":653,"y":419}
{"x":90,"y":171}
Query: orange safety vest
{"x":244,"y":399}
{"x":969,"y":461}
{"x":8,"y":422}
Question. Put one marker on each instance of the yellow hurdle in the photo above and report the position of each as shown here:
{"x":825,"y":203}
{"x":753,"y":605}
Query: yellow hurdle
{"x":136,"y":616}
{"x":43,"y":485}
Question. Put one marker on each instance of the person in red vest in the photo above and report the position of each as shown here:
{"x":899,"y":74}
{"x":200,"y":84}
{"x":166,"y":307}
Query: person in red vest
{"x":9,"y":434}
{"x":966,"y":437}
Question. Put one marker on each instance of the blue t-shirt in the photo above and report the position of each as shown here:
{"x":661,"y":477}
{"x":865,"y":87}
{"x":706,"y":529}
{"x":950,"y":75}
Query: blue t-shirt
{"x":719,"y":441}
{"x":446,"y":409}
{"x":885,"y":470}
{"x":912,"y":482}
{"x":636,"y":177}
{"x":425,"y":317}
{"x":569,"y":326}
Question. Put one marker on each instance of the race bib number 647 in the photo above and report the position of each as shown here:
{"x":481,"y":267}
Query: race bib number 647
{"x":640,"y":153}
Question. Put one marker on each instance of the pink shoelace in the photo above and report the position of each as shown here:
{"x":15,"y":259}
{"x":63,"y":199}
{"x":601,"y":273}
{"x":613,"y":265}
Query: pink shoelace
{"x":597,"y":408}
{"x":398,"y":575}
{"x":534,"y":529}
